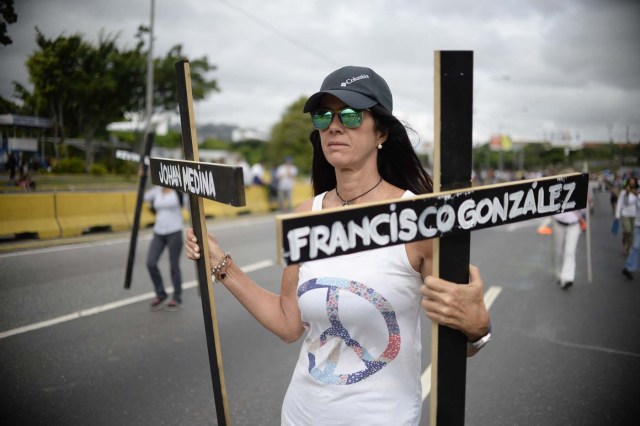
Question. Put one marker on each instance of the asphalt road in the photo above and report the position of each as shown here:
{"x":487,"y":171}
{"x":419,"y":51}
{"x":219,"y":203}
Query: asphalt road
{"x":78,"y":349}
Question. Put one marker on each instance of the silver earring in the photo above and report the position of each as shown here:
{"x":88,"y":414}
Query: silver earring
{"x":379,"y":146}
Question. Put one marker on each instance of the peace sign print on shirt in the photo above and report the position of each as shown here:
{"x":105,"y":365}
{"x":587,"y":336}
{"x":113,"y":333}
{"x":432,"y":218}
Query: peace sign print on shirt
{"x":338,"y":334}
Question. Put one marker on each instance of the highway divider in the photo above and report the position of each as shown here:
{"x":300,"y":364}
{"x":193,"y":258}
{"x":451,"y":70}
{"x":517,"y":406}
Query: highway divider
{"x":69,"y":214}
{"x":82,"y":212}
{"x":28,"y":213}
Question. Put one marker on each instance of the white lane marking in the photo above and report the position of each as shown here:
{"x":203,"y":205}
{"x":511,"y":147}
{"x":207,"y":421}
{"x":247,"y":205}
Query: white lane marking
{"x":144,"y":235}
{"x":258,"y":265}
{"x":114,"y":305}
{"x":425,"y":379}
{"x":489,"y":297}
{"x":534,"y":223}
{"x":529,"y":223}
{"x":591,"y":347}
{"x":73,"y":246}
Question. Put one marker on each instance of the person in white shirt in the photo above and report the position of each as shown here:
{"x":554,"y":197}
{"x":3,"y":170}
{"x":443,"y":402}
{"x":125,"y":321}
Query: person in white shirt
{"x":566,"y":232}
{"x":246,"y":172}
{"x":167,"y":233}
{"x":626,"y":212}
{"x":286,"y":176}
{"x":257,"y":173}
{"x":631,"y":262}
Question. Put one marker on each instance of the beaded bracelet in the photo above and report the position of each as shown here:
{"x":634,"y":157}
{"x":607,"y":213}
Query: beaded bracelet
{"x":220,"y":270}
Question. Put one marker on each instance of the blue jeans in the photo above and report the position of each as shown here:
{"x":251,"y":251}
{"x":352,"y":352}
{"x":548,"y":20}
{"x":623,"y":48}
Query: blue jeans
{"x":284,"y":200}
{"x":632,"y":260}
{"x":158,"y":243}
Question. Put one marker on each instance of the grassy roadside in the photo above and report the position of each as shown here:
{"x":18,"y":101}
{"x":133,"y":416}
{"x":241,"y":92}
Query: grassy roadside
{"x":48,"y":182}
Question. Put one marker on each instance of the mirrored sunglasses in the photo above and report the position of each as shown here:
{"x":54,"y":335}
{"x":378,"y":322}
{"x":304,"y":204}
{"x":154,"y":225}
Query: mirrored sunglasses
{"x":349,"y":117}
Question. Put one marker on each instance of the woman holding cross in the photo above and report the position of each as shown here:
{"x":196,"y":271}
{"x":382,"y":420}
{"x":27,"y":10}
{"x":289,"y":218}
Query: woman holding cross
{"x":360,"y":361}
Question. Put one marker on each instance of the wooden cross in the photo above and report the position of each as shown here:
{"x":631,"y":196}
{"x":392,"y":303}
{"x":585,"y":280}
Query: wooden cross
{"x":450,"y":212}
{"x":146,"y":150}
{"x":218,"y":182}
{"x":448,"y":215}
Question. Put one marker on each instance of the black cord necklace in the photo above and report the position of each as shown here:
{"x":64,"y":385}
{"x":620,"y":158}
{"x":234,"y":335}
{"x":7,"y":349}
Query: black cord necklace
{"x":347,"y":202}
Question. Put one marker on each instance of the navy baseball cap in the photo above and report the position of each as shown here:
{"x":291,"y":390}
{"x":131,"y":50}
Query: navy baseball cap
{"x":358,"y":87}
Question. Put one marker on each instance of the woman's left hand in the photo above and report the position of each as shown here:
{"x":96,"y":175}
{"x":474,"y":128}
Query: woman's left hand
{"x":457,"y":306}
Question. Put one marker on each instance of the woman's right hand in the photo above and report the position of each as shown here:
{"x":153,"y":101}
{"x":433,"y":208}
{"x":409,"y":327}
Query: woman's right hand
{"x":193,"y":249}
{"x":191,"y":243}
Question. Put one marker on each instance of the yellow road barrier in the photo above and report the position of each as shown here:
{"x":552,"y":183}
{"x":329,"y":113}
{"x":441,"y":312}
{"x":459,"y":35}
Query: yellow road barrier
{"x":67,"y":214}
{"x":28,"y":213}
{"x":301,"y":192}
{"x":79,"y":212}
{"x":257,"y":198}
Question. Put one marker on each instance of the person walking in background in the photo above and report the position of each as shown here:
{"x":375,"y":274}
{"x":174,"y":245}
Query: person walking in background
{"x":257,"y":173}
{"x":167,"y":204}
{"x":286,"y":175}
{"x":12,"y":165}
{"x":614,"y":189}
{"x":273,"y":183}
{"x":631,"y":262}
{"x":247,"y":176}
{"x":626,"y":212}
{"x":566,"y":232}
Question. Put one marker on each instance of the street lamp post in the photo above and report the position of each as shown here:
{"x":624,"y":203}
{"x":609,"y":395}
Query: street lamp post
{"x":149,"y":99}
{"x":611,"y":153}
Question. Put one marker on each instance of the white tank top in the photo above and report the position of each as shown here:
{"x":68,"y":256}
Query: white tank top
{"x":360,"y":360}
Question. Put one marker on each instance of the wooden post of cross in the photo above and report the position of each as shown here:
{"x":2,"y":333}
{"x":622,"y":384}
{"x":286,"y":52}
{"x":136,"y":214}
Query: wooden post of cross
{"x":146,"y":150}
{"x":218,"y":182}
{"x":452,"y":165}
{"x":448,"y":216}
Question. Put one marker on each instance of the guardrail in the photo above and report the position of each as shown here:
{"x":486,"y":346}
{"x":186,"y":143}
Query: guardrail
{"x":68,"y":214}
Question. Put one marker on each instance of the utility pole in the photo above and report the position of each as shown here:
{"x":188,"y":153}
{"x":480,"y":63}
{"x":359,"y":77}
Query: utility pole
{"x":610,"y":129}
{"x":149,"y":100}
{"x":145,"y":152}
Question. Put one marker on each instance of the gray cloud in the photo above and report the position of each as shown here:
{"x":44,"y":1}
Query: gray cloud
{"x":539,"y":65}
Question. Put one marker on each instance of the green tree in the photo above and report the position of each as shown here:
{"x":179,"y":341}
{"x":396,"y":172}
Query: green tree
{"x":290,"y":137}
{"x":164,"y":78}
{"x":252,"y":150}
{"x":78,"y":85}
{"x":101,"y":94}
{"x":7,"y":16}
{"x":82,"y":87}
{"x":8,"y":107}
{"x":172,"y":139}
{"x":54,"y":71}
{"x":211,"y":143}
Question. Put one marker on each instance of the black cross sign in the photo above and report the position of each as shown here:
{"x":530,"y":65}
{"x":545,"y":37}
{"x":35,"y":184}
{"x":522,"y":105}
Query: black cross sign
{"x":218,"y":182}
{"x":448,"y":215}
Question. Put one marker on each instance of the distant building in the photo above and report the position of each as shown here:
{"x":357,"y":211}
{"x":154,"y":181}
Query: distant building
{"x":226,"y":132}
{"x":138,"y":123}
{"x":21,"y":133}
{"x":205,"y":155}
{"x":222,"y":132}
{"x":248,"y":134}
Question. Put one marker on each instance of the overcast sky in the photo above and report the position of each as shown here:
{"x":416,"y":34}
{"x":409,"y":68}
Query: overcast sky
{"x":540,"y":65}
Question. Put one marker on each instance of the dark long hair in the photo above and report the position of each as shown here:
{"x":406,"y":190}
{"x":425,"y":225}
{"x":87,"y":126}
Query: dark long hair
{"x":398,"y":163}
{"x":629,"y":188}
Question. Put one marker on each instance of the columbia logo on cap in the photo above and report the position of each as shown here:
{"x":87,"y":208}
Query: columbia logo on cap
{"x":369,"y":89}
{"x":353,"y":80}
